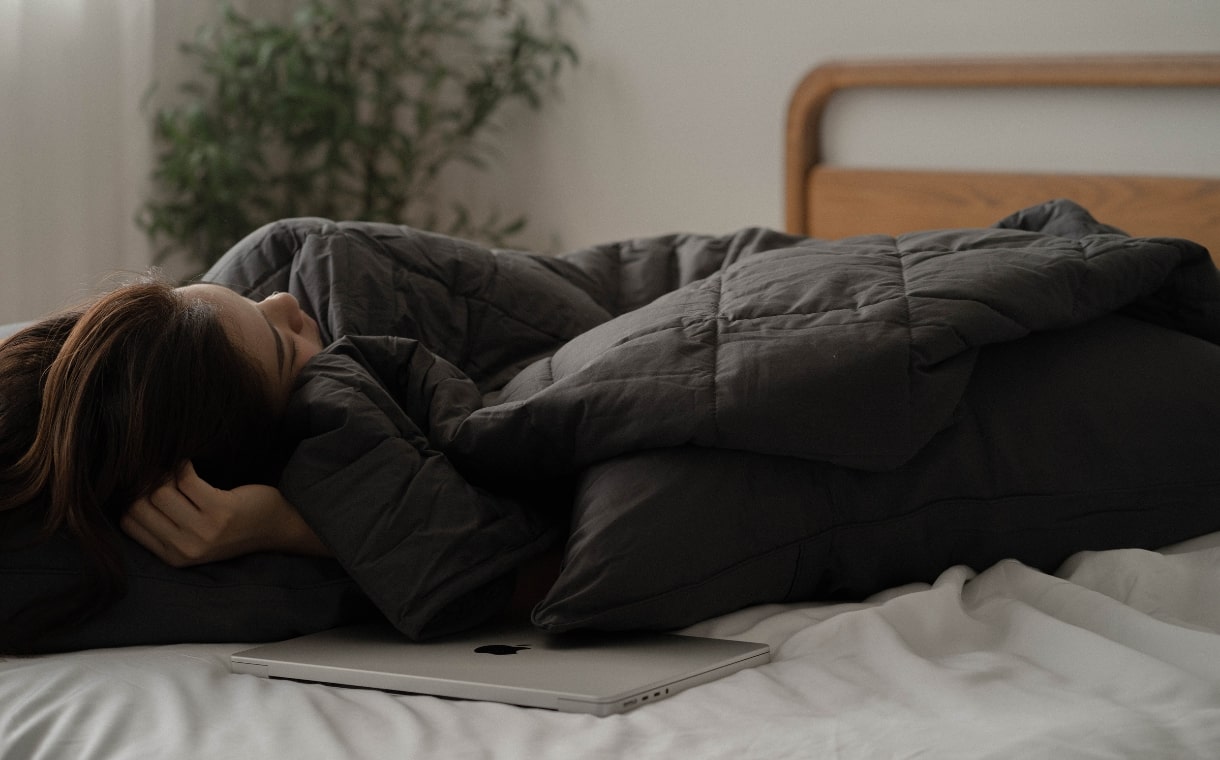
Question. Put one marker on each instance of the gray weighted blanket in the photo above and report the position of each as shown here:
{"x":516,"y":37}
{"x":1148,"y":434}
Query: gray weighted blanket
{"x":473,"y":401}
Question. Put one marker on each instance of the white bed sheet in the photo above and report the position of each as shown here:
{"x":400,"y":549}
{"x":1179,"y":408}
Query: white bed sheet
{"x":1118,"y":656}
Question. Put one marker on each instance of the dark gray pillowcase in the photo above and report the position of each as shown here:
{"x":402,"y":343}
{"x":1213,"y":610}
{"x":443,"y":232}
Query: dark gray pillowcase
{"x":1098,"y":437}
{"x":259,"y":597}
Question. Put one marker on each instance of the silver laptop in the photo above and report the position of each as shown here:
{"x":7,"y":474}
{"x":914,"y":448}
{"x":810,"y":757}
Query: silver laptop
{"x":601,"y":674}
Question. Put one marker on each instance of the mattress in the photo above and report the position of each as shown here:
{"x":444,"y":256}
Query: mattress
{"x":1117,"y":655}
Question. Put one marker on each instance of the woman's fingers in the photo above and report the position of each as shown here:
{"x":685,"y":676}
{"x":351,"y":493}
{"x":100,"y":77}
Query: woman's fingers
{"x":149,"y":526}
{"x":200,"y":494}
{"x":176,"y":506}
{"x":184,"y":521}
{"x":133,"y":526}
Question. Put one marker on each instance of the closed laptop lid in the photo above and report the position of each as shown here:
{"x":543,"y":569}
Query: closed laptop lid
{"x":594,"y":673}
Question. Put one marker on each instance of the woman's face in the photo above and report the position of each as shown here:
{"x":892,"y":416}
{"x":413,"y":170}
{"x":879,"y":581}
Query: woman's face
{"x":274,"y":332}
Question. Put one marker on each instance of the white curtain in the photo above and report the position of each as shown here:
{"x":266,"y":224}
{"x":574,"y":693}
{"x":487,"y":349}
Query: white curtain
{"x":75,"y":148}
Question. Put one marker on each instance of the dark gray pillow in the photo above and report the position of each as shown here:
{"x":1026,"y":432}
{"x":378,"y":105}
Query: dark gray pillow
{"x":1098,"y":437}
{"x":259,"y":597}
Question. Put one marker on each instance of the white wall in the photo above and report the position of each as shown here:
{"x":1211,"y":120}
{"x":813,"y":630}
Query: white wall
{"x":75,"y":140}
{"x":673,"y":121}
{"x":72,"y":147}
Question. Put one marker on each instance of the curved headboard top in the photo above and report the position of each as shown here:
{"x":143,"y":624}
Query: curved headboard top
{"x":833,"y":201}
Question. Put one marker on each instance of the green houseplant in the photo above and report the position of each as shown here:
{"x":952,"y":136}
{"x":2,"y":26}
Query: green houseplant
{"x":349,"y":110}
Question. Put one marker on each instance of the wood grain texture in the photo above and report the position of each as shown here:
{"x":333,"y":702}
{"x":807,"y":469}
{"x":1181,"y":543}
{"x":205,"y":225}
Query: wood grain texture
{"x":845,"y":201}
{"x":832,"y":201}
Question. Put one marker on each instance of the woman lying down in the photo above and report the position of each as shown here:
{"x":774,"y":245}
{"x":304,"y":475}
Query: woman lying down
{"x":419,"y":407}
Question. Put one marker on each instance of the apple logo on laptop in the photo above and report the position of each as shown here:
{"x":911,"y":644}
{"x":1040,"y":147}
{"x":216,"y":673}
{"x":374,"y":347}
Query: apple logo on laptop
{"x":500,"y":648}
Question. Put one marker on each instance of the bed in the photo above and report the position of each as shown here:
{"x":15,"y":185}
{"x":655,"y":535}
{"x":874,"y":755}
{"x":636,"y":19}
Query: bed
{"x":1113,"y":653}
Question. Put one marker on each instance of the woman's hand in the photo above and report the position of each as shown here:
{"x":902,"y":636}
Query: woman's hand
{"x":185,"y":521}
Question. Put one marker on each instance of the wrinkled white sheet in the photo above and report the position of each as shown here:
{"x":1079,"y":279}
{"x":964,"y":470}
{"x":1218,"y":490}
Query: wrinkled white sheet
{"x":1116,"y":657}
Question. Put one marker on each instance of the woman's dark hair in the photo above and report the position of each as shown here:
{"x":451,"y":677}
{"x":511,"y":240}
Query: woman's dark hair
{"x":99,"y":405}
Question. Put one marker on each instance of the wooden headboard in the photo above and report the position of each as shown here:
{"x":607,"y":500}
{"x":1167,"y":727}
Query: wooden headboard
{"x":833,"y":201}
